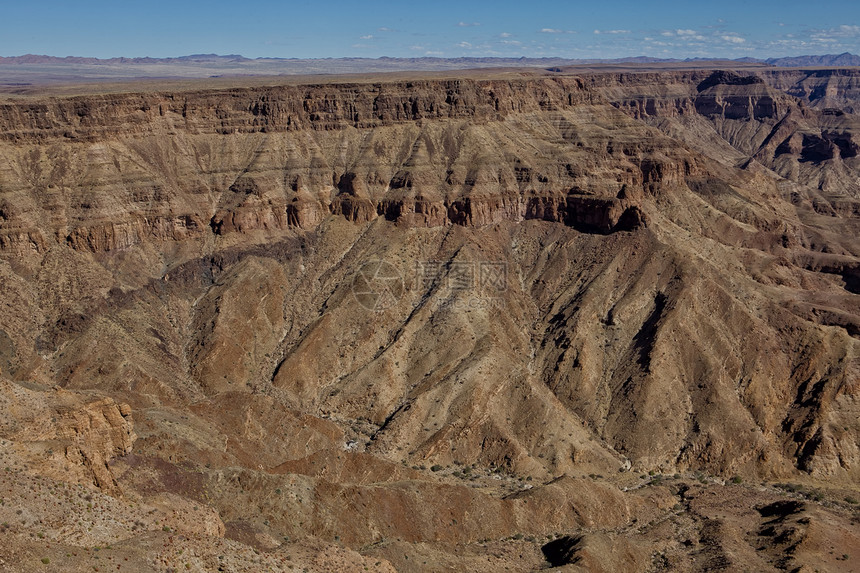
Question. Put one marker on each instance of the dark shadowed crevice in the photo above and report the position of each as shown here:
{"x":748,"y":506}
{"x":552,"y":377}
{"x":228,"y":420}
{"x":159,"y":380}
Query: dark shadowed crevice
{"x":644,"y":339}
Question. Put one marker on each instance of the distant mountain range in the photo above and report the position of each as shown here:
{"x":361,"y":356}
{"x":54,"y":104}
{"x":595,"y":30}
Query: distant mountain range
{"x":829,"y":60}
{"x":194,"y":58}
{"x":30,"y":69}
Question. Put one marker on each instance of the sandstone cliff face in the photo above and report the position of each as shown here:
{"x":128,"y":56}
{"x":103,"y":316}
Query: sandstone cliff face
{"x":824,"y":89}
{"x":654,"y":272}
{"x":294,"y":156}
{"x":285,"y":108}
{"x":814,"y":147}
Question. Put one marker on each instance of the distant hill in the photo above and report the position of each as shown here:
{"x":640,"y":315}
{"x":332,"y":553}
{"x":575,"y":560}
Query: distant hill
{"x":829,"y":61}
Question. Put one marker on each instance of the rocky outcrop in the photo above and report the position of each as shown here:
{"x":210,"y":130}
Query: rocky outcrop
{"x":66,"y":436}
{"x":732,"y":96}
{"x":109,"y":235}
{"x":723,"y":94}
{"x":98,"y":432}
{"x":590,"y":214}
{"x":595,"y":552}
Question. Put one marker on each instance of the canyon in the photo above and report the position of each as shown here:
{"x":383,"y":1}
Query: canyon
{"x":488,"y":320}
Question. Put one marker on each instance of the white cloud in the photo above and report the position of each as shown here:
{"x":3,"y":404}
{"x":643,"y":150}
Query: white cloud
{"x":556,"y":31}
{"x":368,"y":37}
{"x":733,"y":39}
{"x":468,"y":24}
{"x":612,"y":31}
{"x":840,"y":38}
{"x":687,"y":35}
{"x":833,"y":35}
{"x":466,"y":45}
{"x":434,"y":53}
{"x":512,"y":43}
{"x":505,"y":35}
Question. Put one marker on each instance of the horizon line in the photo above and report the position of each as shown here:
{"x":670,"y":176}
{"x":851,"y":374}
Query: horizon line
{"x":425,"y":57}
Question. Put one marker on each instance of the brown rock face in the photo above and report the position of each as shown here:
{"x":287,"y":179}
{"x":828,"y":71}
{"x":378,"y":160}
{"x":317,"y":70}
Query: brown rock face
{"x":66,"y":437}
{"x":267,"y":174}
{"x":378,"y":324}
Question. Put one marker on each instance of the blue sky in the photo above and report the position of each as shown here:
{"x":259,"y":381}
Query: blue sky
{"x":443,"y":28}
